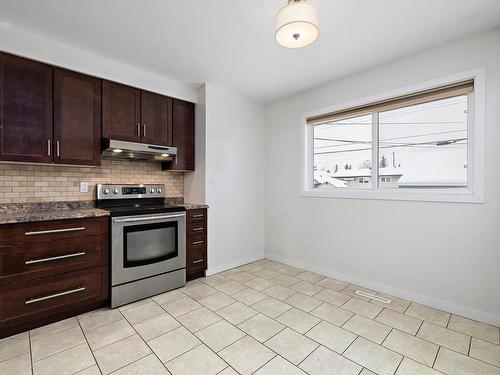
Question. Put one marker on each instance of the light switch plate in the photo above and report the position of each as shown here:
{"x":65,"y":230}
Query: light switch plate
{"x":84,"y":187}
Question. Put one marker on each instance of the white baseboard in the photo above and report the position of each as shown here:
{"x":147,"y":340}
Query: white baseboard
{"x":461,"y":310}
{"x":239,"y":262}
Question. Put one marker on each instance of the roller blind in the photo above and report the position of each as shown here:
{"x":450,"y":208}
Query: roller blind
{"x":443,"y":92}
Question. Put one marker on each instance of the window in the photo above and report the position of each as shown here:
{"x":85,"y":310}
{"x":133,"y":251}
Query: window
{"x":414,"y":145}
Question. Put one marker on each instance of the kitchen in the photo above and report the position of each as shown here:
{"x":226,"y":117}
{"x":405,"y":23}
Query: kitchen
{"x":167,"y":207}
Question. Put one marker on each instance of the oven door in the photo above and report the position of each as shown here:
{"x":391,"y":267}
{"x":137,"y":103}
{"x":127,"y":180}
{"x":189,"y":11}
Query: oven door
{"x":147,"y":245}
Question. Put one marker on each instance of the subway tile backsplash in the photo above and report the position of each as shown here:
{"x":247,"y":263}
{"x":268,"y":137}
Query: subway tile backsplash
{"x":39,"y":183}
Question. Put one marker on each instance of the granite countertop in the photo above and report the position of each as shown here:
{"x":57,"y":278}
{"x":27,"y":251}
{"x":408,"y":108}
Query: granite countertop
{"x":44,"y":211}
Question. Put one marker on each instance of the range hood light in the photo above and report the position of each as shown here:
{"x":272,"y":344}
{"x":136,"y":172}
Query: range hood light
{"x":165,"y":155}
{"x":117,"y":150}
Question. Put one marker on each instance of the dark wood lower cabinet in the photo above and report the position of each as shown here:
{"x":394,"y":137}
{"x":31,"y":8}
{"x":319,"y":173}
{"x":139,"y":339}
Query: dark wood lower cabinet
{"x":196,"y":243}
{"x":50,"y":271}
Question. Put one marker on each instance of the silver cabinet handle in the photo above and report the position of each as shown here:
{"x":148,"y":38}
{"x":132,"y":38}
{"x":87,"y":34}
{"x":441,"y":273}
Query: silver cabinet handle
{"x":197,"y":229}
{"x":33,"y":261}
{"x":48,"y":147}
{"x":199,"y":215}
{"x":138,"y":129}
{"x":146,"y":218}
{"x":53,"y":231}
{"x":34,"y":300}
{"x":198,"y":242}
{"x":57,"y":148}
{"x":144,"y":130}
{"x":198,"y":261}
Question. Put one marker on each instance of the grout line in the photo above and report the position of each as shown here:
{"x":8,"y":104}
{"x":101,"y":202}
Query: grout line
{"x":88,"y":345}
{"x":435,"y":358}
{"x":419,"y":327}
{"x":31,"y":354}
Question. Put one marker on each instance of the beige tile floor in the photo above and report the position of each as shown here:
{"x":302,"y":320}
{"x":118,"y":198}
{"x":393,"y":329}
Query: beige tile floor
{"x":261,"y":318}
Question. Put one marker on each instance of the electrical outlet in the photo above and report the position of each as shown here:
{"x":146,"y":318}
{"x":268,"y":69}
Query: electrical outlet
{"x":84,"y":187}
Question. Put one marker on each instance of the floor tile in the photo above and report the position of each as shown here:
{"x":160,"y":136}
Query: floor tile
{"x":351,"y":289}
{"x":310,"y":277}
{"x":249,"y":296}
{"x":20,"y":365}
{"x":217,"y":301}
{"x":298,"y":320}
{"x":251,"y":267}
{"x":219,"y":335}
{"x":198,"y":319}
{"x":453,"y":363}
{"x":485,"y":351}
{"x":267,"y":273}
{"x":134,"y":304}
{"x":323,"y":361}
{"x":260,"y":327}
{"x":289,"y":270}
{"x":476,"y":329}
{"x":410,"y":367}
{"x":271,"y":307}
{"x":372,"y":356}
{"x":231,"y":287}
{"x":333,"y":284}
{"x":236,"y":313}
{"x":259,"y":284}
{"x":445,"y":337}
{"x":56,"y":327}
{"x":65,"y":363}
{"x":303,"y":302}
{"x":363,"y":308}
{"x":397,"y":304}
{"x":14,"y":346}
{"x":99,"y":318}
{"x":332,"y":297}
{"x":181,"y":306}
{"x":173,"y":344}
{"x":48,"y":345}
{"x":308,"y":288}
{"x":215,"y":280}
{"x":272,"y":265}
{"x":279,"y":365}
{"x":149,"y":365}
{"x":108,"y":334}
{"x":157,"y":326}
{"x":367,"y":328}
{"x":92,"y":370}
{"x":200,"y":360}
{"x":410,"y":346}
{"x":121,"y":353}
{"x":428,"y":314}
{"x":246,"y":355}
{"x":365,"y":371}
{"x":403,"y":322}
{"x":331,"y":336}
{"x":167,"y":297}
{"x":279,"y":292}
{"x":291,"y":345}
{"x":142,"y":312}
{"x":228,"y":371}
{"x":285,"y":280}
{"x":332,"y":314}
{"x":241,"y":276}
{"x":229,"y":272}
{"x":199,"y":291}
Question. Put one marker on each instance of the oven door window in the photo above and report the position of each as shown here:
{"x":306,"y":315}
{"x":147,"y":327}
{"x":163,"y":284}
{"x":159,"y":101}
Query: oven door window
{"x":149,"y":243}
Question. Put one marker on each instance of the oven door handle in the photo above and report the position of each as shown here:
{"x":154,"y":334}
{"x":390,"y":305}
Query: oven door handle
{"x":147,"y":218}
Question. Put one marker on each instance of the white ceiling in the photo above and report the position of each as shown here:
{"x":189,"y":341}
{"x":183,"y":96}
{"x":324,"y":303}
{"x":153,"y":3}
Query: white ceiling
{"x":231,"y":42}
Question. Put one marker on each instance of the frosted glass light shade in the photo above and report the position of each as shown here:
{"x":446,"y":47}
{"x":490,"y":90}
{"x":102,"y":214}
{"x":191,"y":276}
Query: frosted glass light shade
{"x":297,"y":25}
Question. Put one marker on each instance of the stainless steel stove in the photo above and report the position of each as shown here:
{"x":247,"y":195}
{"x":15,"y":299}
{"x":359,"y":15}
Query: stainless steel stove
{"x":148,"y":241}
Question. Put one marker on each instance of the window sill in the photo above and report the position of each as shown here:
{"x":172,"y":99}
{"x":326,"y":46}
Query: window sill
{"x":435,"y":195}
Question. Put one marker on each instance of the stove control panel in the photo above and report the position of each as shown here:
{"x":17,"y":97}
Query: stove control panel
{"x":130,"y":191}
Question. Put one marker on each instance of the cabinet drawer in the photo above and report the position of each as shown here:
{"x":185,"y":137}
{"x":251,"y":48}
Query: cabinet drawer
{"x":196,"y":257}
{"x":49,"y":257}
{"x":40,"y":297}
{"x":196,"y":228}
{"x":196,"y":215}
{"x":52,"y":230}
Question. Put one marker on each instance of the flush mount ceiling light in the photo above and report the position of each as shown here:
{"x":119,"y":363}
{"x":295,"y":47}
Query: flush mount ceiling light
{"x":296,"y":24}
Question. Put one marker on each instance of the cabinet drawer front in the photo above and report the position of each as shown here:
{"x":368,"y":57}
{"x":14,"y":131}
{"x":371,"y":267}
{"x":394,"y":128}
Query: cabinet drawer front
{"x":196,"y":215}
{"x":196,"y":242}
{"x":15,"y":233}
{"x":196,"y":258}
{"x":52,"y":294}
{"x":196,"y":228}
{"x":43,"y":258}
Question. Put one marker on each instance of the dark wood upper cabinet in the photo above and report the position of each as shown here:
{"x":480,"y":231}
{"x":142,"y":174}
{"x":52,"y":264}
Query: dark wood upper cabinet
{"x":25,"y":110}
{"x":183,"y":136}
{"x":77,"y":118}
{"x":156,"y":115}
{"x":121,"y":106}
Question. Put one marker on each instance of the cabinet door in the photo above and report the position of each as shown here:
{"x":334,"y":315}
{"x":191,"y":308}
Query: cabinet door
{"x":25,"y":110}
{"x":77,"y":118}
{"x":121,"y":112}
{"x":183,"y":136}
{"x":156,"y":115}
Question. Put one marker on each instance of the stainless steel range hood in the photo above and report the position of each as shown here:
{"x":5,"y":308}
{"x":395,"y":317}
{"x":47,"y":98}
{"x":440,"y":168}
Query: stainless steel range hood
{"x":113,"y":149}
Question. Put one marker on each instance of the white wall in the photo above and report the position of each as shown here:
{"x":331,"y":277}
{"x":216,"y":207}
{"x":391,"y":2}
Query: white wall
{"x":235,"y":172}
{"x":443,"y":254}
{"x":19,"y":42}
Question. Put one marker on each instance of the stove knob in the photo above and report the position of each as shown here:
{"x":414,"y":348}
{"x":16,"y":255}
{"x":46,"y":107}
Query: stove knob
{"x":105,"y":191}
{"x":158,"y":190}
{"x":152,"y":191}
{"x":116,"y":191}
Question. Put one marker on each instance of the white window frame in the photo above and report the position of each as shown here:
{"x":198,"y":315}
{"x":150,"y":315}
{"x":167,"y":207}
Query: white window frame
{"x":473,"y":193}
